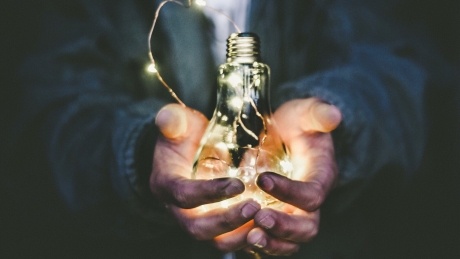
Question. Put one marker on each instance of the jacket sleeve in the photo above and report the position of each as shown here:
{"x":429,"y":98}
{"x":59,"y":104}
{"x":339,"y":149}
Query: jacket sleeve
{"x":370,"y":69}
{"x":84,"y":95}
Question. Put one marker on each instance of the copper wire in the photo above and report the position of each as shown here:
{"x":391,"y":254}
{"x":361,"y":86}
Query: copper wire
{"x":150,"y":35}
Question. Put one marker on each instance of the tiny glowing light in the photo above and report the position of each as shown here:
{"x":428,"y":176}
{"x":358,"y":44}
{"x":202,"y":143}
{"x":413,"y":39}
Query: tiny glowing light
{"x":236,"y":102}
{"x":151,"y":68}
{"x":257,"y":82}
{"x":200,"y":2}
{"x":252,"y":161}
{"x":221,"y":146}
{"x":233,"y":172}
{"x":232,"y":146}
{"x":235,"y":80}
{"x":286,"y":165}
{"x":229,"y":139}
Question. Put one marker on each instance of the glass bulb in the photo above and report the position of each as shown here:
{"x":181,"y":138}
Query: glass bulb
{"x":241,"y":139}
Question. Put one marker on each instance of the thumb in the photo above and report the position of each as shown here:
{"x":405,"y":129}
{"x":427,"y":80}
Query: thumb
{"x":172,"y":121}
{"x":298,"y":116}
{"x":321,"y":116}
{"x":182,"y":128}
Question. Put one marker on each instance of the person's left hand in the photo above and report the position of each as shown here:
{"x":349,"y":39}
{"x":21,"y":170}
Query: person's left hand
{"x":305,"y":125}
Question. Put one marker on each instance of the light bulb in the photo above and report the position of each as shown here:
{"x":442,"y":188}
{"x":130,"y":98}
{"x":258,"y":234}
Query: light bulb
{"x":242,"y":139}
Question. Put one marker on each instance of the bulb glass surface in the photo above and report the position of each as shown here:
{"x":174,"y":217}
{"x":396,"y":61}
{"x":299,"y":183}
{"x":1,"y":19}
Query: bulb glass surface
{"x":241,"y":139}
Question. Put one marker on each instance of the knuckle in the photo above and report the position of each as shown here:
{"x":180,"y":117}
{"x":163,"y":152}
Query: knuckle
{"x":316,"y":196}
{"x":293,"y":250}
{"x":195,"y":231}
{"x":314,"y":203}
{"x":180,"y":197}
{"x":228,"y":221}
{"x":284,"y":231}
{"x":311,"y":231}
{"x":314,"y":231}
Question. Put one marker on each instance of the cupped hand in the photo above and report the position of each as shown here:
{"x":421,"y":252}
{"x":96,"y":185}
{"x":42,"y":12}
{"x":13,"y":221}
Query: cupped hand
{"x":182,"y":129}
{"x":305,"y":125}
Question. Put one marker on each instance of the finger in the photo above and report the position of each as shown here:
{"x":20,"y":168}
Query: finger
{"x":208,"y":225}
{"x":315,"y":172}
{"x":172,"y":121}
{"x":300,"y":226}
{"x":186,"y":193}
{"x":182,"y":129}
{"x":322,"y":117}
{"x":269,"y":245}
{"x":234,"y":240}
{"x":304,"y":195}
{"x":309,"y":115}
{"x":175,"y":121}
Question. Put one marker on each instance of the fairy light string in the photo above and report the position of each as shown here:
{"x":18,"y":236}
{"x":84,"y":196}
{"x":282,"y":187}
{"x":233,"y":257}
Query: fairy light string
{"x":152,"y":68}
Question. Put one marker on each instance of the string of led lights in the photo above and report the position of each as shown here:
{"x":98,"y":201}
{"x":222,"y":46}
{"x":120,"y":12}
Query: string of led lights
{"x":152,"y":68}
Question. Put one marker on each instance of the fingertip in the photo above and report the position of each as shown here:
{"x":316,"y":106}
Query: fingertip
{"x":250,"y":209}
{"x":233,"y":187}
{"x":256,"y":237}
{"x":265,"y":182}
{"x":172,"y":121}
{"x":327,"y":116}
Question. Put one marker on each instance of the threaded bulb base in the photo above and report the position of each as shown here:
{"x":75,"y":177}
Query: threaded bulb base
{"x":243,"y":48}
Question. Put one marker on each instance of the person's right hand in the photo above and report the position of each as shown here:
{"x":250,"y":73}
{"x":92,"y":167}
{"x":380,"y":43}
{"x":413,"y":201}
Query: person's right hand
{"x":182,"y":129}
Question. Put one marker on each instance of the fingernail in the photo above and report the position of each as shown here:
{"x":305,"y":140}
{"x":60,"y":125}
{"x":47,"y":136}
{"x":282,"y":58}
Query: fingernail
{"x":267,"y":222}
{"x":249,"y":210}
{"x":265,"y":182}
{"x":233,"y":187}
{"x":257,"y":239}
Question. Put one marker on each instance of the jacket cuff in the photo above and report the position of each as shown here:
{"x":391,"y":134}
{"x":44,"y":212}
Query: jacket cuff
{"x":134,"y":143}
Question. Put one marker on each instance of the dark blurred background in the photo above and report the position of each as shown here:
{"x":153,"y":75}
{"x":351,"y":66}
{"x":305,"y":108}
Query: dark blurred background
{"x":420,"y":222}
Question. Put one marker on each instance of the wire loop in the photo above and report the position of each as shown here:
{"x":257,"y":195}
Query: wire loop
{"x":188,"y":4}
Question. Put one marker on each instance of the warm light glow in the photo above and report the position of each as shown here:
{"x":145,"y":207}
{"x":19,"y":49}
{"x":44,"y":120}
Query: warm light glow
{"x":286,"y":166}
{"x":236,"y":102}
{"x":235,"y":80}
{"x":257,"y":82}
{"x":233,"y":172}
{"x":225,"y":204}
{"x":151,"y":68}
{"x":231,"y":146}
{"x":200,"y":2}
{"x":221,"y":146}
